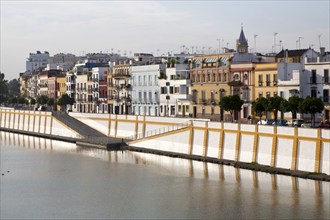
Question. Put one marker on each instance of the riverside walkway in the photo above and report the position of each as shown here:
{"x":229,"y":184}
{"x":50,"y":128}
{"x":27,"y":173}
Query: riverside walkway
{"x":87,"y":135}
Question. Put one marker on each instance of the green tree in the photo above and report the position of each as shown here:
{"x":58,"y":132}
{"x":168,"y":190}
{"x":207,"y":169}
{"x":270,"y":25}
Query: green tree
{"x":65,"y":100}
{"x":42,"y":100}
{"x":274,"y":105}
{"x":231,"y":103}
{"x":259,"y":106}
{"x":21,"y":100}
{"x":50,"y":102}
{"x":291,"y":105}
{"x":13,"y":87}
{"x":3,"y":88}
{"x":33,"y":101}
{"x":311,"y":105}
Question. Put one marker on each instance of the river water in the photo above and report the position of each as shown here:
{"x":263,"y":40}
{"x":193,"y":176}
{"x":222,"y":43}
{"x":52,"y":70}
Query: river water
{"x":44,"y":179}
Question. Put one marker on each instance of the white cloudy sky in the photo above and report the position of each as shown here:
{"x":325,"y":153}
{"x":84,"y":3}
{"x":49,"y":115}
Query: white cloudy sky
{"x":152,"y":26}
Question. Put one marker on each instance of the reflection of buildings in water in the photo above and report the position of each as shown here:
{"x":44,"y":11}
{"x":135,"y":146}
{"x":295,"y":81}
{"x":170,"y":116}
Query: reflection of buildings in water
{"x":178,"y":166}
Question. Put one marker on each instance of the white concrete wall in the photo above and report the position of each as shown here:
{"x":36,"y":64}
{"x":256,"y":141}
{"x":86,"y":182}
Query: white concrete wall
{"x":34,"y":121}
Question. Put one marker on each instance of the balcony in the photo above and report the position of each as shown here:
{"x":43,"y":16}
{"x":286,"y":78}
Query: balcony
{"x":274,"y":83}
{"x":212,"y":101}
{"x":312,"y":80}
{"x":121,"y":76}
{"x":267,"y":83}
{"x":203,"y":101}
{"x":325,"y":98}
{"x":260,"y":83}
{"x":325,"y":80}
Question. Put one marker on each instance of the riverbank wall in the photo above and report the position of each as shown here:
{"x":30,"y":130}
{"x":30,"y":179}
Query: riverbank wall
{"x":276,"y":149}
{"x":34,"y":122}
{"x":290,"y":149}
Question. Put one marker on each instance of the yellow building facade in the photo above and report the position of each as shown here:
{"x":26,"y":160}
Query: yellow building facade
{"x":209,"y":77}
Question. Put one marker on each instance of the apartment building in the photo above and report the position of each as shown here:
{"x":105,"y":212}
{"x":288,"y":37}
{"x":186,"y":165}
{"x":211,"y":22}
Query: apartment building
{"x":145,"y":89}
{"x":174,"y":88}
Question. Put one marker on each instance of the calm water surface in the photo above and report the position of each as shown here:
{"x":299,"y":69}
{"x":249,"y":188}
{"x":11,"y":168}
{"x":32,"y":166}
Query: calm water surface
{"x":46,"y":179}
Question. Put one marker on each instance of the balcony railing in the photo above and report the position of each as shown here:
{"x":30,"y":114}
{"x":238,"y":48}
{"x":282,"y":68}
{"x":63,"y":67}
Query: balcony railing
{"x":203,"y":101}
{"x":325,"y":80}
{"x":260,"y":83}
{"x":325,"y":98}
{"x":312,"y":80}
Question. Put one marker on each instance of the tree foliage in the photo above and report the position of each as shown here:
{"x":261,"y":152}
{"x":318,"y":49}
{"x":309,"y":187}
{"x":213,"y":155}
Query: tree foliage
{"x":312,"y":106}
{"x":42,"y":100}
{"x":13,"y":87}
{"x":274,"y":105}
{"x":231,"y":104}
{"x":259,"y":106}
{"x":65,"y":100}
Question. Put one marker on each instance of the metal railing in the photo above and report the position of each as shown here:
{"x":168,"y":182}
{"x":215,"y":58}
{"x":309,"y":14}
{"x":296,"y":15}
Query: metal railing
{"x":158,"y":131}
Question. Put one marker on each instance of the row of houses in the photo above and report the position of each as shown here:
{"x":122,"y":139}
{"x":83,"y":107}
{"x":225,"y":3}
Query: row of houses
{"x":184,"y":85}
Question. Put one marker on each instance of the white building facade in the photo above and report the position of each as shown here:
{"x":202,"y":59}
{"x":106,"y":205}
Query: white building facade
{"x":37,"y":60}
{"x":174,"y":91}
{"x":145,"y":89}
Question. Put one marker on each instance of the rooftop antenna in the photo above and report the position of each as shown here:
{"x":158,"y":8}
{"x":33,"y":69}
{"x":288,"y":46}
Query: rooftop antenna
{"x":320,"y":39}
{"x":219,"y":39}
{"x":299,"y":40}
{"x":275,"y":41}
{"x":297,"y":44}
{"x":255,"y":43}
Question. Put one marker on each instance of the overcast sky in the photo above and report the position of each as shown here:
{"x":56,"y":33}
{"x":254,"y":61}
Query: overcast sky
{"x":154,"y":27}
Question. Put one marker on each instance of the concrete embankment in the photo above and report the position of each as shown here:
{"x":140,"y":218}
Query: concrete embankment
{"x":242,"y":165}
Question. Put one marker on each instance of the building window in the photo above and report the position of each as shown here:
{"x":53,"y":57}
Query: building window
{"x":260,"y":80}
{"x":274,"y":79}
{"x":260,"y":95}
{"x":326,"y":76}
{"x":267,"y":94}
{"x":313,"y":77}
{"x":171,"y":89}
{"x":275,"y":94}
{"x":163,"y":90}
{"x":313,"y":93}
{"x":212,"y":110}
{"x":268,"y":80}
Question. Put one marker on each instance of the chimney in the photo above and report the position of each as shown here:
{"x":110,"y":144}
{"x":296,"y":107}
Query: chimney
{"x":322,"y":50}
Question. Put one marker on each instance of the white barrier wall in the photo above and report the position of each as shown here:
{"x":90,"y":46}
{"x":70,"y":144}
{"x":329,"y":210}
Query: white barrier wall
{"x":280,"y":147}
{"x":123,"y":126}
{"x":34,"y":121}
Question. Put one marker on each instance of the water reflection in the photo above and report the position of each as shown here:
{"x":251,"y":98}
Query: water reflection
{"x":180,"y":167}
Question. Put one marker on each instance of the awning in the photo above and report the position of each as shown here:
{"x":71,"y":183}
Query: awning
{"x":210,"y":60}
{"x":197,"y":61}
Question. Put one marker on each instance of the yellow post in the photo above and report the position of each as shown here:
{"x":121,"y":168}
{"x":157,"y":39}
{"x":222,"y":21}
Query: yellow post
{"x":14,"y":119}
{"x":29,"y":122}
{"x":34,"y":120}
{"x":51,"y":124}
{"x":23,"y":121}
{"x":9,"y":119}
{"x":45,"y":123}
{"x":144,"y":126}
{"x":274,"y":147}
{"x":318,"y":153}
{"x":5,"y":122}
{"x":294,"y":149}
{"x":39,"y":122}
{"x":136,"y":129}
{"x":205,"y":139}
{"x":255,"y":144}
{"x":109,"y":125}
{"x":221,"y":139}
{"x":0,"y":117}
{"x":191,"y":138}
{"x":238,"y":142}
{"x":116,"y":125}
